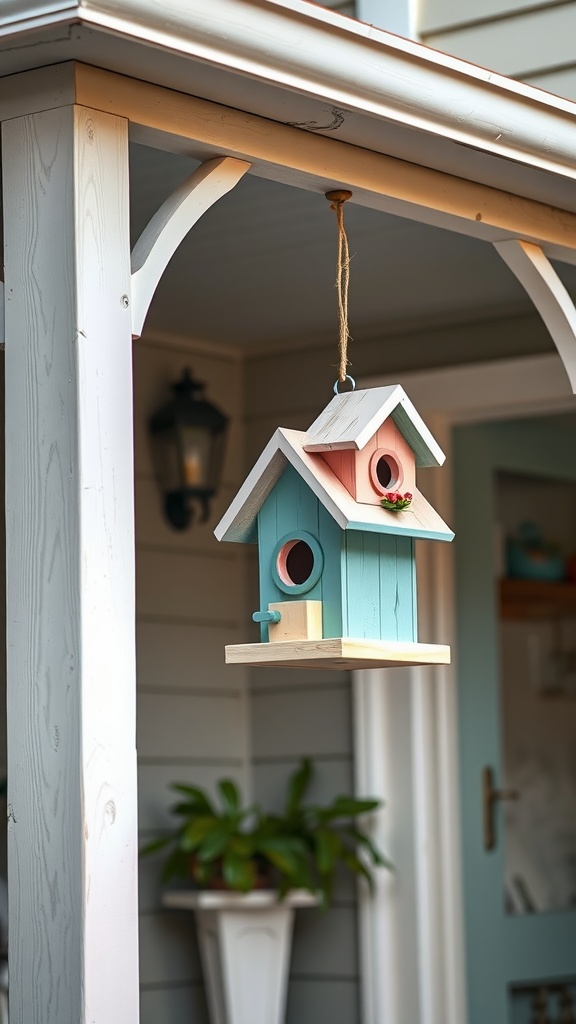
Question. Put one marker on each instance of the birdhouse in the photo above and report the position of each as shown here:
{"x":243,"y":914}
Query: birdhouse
{"x":337,"y":570}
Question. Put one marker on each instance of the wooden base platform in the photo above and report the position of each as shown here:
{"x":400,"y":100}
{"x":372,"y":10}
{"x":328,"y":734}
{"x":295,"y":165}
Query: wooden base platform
{"x":338,"y":653}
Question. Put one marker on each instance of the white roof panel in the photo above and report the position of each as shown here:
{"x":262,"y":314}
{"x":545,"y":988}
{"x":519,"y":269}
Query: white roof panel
{"x":351,"y":420}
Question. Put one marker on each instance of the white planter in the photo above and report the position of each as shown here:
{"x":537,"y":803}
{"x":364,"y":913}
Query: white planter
{"x":245,"y":950}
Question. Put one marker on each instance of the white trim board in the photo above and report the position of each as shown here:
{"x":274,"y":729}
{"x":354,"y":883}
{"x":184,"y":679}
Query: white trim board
{"x":411,"y":934}
{"x":307,"y":49}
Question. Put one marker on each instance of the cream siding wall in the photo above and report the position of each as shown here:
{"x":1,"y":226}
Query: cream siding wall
{"x":192,"y":710}
{"x":532,"y":40}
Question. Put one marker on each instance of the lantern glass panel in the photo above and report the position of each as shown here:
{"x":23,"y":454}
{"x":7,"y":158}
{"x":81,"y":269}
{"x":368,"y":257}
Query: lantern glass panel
{"x":196,"y":446}
{"x":167,"y":461}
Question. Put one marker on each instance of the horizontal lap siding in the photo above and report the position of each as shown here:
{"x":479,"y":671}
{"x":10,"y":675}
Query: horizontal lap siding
{"x":192,"y":711}
{"x":526,"y":40}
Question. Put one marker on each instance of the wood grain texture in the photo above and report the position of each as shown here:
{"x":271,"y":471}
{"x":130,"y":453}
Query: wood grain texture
{"x":170,"y":225}
{"x":173,"y":121}
{"x":341,"y":652}
{"x":70,"y":570}
{"x":300,"y":620}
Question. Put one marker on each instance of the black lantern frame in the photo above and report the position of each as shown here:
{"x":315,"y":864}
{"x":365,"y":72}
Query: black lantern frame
{"x":188,"y":436}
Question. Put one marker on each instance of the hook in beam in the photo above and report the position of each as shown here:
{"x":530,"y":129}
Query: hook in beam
{"x":539,"y":279}
{"x":170,"y":225}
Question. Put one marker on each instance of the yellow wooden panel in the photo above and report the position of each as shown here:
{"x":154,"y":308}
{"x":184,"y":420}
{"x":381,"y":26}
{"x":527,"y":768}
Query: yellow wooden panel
{"x":300,"y":620}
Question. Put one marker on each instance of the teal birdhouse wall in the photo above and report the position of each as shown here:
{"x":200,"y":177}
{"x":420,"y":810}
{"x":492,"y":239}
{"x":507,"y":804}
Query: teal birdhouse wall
{"x":379,"y":586}
{"x":365,"y":581}
{"x":288,"y":512}
{"x":337,"y":568}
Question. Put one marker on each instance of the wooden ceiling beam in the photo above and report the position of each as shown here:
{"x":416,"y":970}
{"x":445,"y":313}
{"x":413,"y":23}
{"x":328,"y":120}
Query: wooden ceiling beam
{"x":178,"y":123}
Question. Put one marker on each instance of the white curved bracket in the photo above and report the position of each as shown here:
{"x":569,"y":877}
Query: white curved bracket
{"x":172,"y":222}
{"x":539,"y":279}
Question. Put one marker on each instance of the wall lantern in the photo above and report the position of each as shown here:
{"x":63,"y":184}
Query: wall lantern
{"x":188,"y":439}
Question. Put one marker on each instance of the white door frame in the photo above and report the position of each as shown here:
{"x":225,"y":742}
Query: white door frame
{"x":406,"y":741}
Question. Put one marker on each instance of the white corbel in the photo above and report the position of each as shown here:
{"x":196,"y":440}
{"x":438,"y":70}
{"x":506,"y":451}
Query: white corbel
{"x":170,"y":225}
{"x":541,"y":282}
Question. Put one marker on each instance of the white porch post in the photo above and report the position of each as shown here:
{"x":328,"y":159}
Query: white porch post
{"x":70,"y":570}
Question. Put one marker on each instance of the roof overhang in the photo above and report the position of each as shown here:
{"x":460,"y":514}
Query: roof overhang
{"x":239,"y":522}
{"x":297,"y":63}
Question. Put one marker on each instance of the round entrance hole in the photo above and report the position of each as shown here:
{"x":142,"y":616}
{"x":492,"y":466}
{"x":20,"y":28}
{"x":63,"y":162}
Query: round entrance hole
{"x":297,"y":563}
{"x":385,"y":472}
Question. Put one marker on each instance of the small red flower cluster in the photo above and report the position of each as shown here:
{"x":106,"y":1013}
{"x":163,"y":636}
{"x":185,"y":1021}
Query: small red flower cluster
{"x":393,"y":501}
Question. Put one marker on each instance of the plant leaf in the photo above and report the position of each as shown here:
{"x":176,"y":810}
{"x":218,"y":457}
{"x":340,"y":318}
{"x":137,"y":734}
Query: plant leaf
{"x":238,"y":872}
{"x":197,"y":831}
{"x":347,"y":807}
{"x":197,"y":795}
{"x":230,"y":795}
{"x":353,"y":862}
{"x":214,"y":845}
{"x":328,"y":850}
{"x":177,"y":866}
{"x":297,"y":786}
{"x":154,"y":845}
{"x":365,"y":841}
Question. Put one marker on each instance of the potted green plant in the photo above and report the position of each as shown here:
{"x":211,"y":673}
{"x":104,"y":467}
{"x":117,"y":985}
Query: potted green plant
{"x":251,"y":868}
{"x":242,"y":848}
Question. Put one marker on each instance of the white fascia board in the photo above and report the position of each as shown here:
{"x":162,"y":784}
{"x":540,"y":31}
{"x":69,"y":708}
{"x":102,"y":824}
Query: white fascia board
{"x":315,"y":52}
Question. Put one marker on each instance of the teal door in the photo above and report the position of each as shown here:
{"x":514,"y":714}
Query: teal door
{"x":517,"y":718}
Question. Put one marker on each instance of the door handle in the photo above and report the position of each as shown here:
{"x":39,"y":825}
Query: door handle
{"x":490,"y":797}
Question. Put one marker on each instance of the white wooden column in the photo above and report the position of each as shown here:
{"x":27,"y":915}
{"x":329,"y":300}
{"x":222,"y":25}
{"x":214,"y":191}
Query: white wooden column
{"x":70,"y":570}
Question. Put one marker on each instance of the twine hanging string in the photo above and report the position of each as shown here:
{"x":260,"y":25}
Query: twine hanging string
{"x":337,"y":198}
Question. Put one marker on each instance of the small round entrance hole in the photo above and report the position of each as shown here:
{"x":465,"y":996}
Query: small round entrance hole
{"x":384,"y":471}
{"x":297,"y":561}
